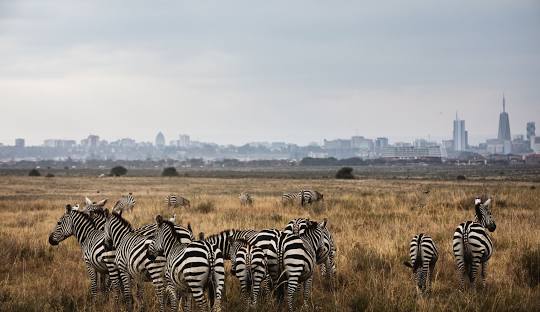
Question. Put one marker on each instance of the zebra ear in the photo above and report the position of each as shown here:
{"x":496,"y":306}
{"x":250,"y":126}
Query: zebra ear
{"x":159,"y":219}
{"x":201,"y":236}
{"x":68,"y":208}
{"x":189,"y":227}
{"x":487,"y":203}
{"x":87,"y":201}
{"x":324,"y":222}
{"x":102,"y":203}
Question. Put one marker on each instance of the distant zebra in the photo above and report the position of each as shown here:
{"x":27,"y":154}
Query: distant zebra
{"x":297,"y":258}
{"x":250,"y":269}
{"x":175,"y":201}
{"x":189,"y":267}
{"x":131,"y":259}
{"x":424,"y":255}
{"x":98,"y":260}
{"x":125,"y":203}
{"x":245,"y":199}
{"x":325,"y":255}
{"x":472,"y":245}
{"x":290,"y":198}
{"x":310,"y":196}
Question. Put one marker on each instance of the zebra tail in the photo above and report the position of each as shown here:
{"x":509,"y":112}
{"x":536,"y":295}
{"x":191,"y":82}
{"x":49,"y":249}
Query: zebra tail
{"x":213,"y":279}
{"x":467,"y":254}
{"x":418,"y":260}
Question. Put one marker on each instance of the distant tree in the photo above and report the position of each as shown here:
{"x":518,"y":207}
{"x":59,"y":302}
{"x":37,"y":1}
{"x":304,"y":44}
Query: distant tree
{"x":345,"y":173}
{"x":49,"y":175}
{"x":118,"y":171}
{"x":34,"y":173}
{"x":169,"y":172}
{"x":461,"y":177}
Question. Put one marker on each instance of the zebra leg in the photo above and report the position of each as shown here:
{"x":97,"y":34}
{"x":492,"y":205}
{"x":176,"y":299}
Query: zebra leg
{"x":308,"y":300}
{"x":475,"y":266}
{"x":430,"y":275}
{"x":460,"y":267}
{"x":158,"y":285}
{"x":126,"y":283}
{"x":93,"y":280}
{"x":292,"y":285}
{"x":173,"y":299}
{"x":483,"y":274}
{"x":200,"y":299}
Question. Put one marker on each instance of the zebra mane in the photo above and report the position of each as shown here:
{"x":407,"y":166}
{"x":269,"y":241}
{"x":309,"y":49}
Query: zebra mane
{"x":228,"y":232}
{"x":122,"y":220}
{"x":175,"y":234}
{"x":85,"y":216}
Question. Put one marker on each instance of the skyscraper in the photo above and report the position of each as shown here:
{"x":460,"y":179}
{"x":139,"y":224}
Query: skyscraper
{"x":504,"y":124}
{"x":160,"y":140}
{"x":460,"y":135}
{"x":531,"y":130}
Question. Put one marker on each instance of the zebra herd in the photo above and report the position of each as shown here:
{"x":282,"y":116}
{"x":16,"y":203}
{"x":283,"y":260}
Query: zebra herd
{"x":304,"y":197}
{"x":472,"y":248}
{"x":182,"y":268}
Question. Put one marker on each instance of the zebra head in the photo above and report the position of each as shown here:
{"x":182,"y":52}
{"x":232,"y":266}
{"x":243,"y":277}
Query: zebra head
{"x":314,"y":233}
{"x":115,"y":228}
{"x":297,"y":226}
{"x":166,"y":234}
{"x":91,"y":206}
{"x":63,"y":228}
{"x":483,"y":214}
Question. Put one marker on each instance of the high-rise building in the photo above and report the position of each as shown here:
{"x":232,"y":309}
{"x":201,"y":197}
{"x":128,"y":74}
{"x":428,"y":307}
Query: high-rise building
{"x":184,"y":140}
{"x":380,"y":144}
{"x":531,"y":130}
{"x":160,"y":140}
{"x":19,"y":142}
{"x":504,"y":124}
{"x":460,"y":135}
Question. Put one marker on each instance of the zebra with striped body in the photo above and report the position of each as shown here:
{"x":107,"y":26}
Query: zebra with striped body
{"x":95,"y":210}
{"x":326,"y":255}
{"x":250,"y":269}
{"x":290,"y":198}
{"x":245,"y":199}
{"x":125,"y":203}
{"x":175,"y":201}
{"x":297,"y":258}
{"x":226,"y":241}
{"x":98,"y":260}
{"x":190,"y":267}
{"x":424,"y":256}
{"x":268,"y":241}
{"x":472,"y":245}
{"x":131,"y":259}
{"x":310,"y":196}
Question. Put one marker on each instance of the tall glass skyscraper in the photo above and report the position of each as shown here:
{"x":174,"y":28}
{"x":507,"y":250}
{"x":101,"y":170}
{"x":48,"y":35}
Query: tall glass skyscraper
{"x":460,"y":135}
{"x":504,"y":124}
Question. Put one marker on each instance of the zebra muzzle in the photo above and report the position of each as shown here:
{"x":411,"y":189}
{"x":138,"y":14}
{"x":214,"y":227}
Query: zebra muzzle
{"x":52,"y":241}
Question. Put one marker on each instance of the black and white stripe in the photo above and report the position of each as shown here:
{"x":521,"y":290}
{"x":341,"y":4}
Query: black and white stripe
{"x":225,"y":241}
{"x":175,"y":201}
{"x":99,"y":261}
{"x":424,"y":255}
{"x":125,"y":203}
{"x":245,"y":199}
{"x":310,"y":196}
{"x":190,"y":268}
{"x":472,"y":245}
{"x":250,"y":269}
{"x":290,"y":198}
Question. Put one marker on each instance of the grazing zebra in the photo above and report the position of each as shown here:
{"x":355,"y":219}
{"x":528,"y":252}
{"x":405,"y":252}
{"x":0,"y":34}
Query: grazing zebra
{"x":190,"y":268}
{"x":297,"y":257}
{"x":130,"y":258}
{"x":424,"y":255}
{"x":245,"y":199}
{"x":176,"y":201}
{"x":326,"y":255}
{"x":98,"y":260}
{"x":125,"y":203}
{"x":290,"y":198}
{"x":250,"y":269}
{"x":472,"y":245}
{"x":310,"y":196}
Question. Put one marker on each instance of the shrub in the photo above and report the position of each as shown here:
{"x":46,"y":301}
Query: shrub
{"x":205,"y":207}
{"x":461,"y":177}
{"x":118,"y":171}
{"x":34,"y":173}
{"x":529,"y":263}
{"x":345,"y":173}
{"x":49,"y":175}
{"x":169,"y":172}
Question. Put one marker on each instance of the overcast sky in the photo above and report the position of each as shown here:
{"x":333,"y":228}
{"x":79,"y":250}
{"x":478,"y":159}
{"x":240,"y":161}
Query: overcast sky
{"x":241,"y":71}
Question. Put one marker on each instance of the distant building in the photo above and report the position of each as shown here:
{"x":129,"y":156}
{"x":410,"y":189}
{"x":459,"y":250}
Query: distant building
{"x":531,"y":130}
{"x":535,"y":144}
{"x":411,"y":152}
{"x":19,"y":142}
{"x":504,"y":124}
{"x":361,"y":143}
{"x":184,"y":140}
{"x":338,"y":144}
{"x":460,"y":135}
{"x":160,"y":140}
{"x":54,"y":143}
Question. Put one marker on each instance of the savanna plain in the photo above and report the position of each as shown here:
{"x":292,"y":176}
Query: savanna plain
{"x":372,"y":222}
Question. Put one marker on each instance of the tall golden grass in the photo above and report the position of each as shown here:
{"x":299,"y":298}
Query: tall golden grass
{"x":372,"y":222}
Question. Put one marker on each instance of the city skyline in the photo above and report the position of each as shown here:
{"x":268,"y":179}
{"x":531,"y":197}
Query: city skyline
{"x":238,"y":72}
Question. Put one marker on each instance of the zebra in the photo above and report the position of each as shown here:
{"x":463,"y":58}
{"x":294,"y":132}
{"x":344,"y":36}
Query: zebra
{"x":190,"y":267}
{"x":225,"y":241}
{"x":310,"y":196}
{"x":250,"y":269}
{"x":424,"y":256}
{"x":297,"y":258}
{"x":99,"y":261}
{"x":326,"y":255}
{"x":131,"y":258}
{"x":290,"y":198}
{"x":95,"y":210}
{"x":472,"y":245}
{"x":176,"y":201}
{"x":268,"y":241}
{"x":245,"y":199}
{"x":125,"y":203}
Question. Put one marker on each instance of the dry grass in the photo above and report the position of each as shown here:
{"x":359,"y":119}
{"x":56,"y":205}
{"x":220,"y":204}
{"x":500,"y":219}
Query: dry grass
{"x":372,"y":222}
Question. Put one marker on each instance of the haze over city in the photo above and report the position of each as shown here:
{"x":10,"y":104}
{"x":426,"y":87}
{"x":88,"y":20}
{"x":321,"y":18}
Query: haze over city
{"x":241,"y":72}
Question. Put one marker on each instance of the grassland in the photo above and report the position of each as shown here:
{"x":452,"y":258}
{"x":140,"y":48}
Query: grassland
{"x":372,"y":222}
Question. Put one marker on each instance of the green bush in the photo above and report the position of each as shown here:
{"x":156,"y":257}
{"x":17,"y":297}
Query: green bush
{"x":169,"y":172}
{"x":34,"y":173}
{"x":118,"y":171}
{"x":345,"y":173}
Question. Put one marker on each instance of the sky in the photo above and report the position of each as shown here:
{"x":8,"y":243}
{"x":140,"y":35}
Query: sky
{"x":233,"y":72}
